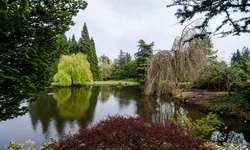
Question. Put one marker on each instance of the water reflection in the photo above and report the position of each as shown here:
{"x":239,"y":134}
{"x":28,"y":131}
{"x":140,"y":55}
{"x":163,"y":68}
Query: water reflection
{"x":65,"y":106}
{"x":170,"y":110}
{"x":105,"y":93}
{"x":63,"y":110}
{"x":72,"y":103}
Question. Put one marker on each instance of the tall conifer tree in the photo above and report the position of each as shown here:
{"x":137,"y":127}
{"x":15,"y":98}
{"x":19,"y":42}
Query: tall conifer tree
{"x":87,"y":46}
{"x":28,"y":31}
{"x":96,"y":70}
{"x":73,"y":46}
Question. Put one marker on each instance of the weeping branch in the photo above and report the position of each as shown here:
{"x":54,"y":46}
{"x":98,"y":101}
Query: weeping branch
{"x":168,"y":69}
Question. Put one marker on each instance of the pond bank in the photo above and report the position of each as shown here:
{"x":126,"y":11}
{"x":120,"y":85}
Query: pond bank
{"x":201,"y":99}
{"x":197,"y":98}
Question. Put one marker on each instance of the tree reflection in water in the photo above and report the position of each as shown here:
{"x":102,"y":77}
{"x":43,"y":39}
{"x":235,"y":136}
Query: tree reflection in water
{"x":75,"y":107}
{"x":66,"y":106}
{"x":167,"y":109}
{"x":72,"y":103}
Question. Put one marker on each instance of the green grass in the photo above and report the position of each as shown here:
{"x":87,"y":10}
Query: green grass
{"x":109,"y":82}
{"x":113,"y":82}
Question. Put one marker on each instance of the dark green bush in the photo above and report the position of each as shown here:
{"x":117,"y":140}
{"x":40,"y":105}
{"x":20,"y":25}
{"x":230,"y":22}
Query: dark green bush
{"x":235,"y":104}
{"x":246,"y":91}
{"x":221,"y":104}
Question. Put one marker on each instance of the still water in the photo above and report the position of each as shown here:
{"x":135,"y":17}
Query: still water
{"x":59,"y":111}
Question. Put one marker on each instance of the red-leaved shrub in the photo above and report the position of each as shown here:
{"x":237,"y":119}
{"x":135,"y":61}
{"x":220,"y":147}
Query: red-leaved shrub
{"x":129,"y":133}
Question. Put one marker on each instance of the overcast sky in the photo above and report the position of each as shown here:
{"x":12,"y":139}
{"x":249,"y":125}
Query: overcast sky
{"x":119,"y":24}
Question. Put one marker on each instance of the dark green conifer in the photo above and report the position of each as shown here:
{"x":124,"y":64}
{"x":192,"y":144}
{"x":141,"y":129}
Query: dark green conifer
{"x":73,"y":46}
{"x":28,"y":31}
{"x":87,"y":46}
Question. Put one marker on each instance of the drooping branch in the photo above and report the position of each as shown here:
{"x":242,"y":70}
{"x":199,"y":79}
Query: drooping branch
{"x":167,"y":69}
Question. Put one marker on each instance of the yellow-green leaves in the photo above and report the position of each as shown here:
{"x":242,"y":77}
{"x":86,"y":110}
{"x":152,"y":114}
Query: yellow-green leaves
{"x":72,"y":70}
{"x":203,"y":127}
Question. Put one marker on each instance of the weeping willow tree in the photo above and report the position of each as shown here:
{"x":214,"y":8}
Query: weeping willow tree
{"x":72,"y":70}
{"x":185,"y":62}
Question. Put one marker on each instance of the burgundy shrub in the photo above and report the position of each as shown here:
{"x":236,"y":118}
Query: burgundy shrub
{"x":130,"y":133}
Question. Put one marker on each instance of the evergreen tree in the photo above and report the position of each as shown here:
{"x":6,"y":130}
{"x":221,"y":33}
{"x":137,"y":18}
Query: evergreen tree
{"x":123,"y":59}
{"x":240,"y":59}
{"x":96,"y":69}
{"x":120,"y":65}
{"x":212,"y":8}
{"x":73,"y":46}
{"x":62,"y":44}
{"x":27,"y":41}
{"x":144,"y":51}
{"x":236,"y":57}
{"x":131,"y":69}
{"x":87,"y":46}
{"x":84,"y":42}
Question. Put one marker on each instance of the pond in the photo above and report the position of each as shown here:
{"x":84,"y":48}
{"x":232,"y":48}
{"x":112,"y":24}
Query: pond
{"x":59,"y":111}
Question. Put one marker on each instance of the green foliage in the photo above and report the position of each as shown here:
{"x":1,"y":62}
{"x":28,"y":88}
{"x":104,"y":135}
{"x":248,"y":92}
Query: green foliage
{"x":27,"y":44}
{"x":221,"y":104}
{"x":144,"y":51}
{"x":73,"y":70}
{"x":94,"y":66}
{"x":119,"y":74}
{"x":120,"y":65}
{"x":73,"y":46}
{"x":241,"y":60}
{"x":87,"y":47}
{"x":62,"y":48}
{"x":222,"y":75}
{"x":234,"y":104}
{"x":203,"y":127}
{"x":246,"y":91}
{"x":187,"y":10}
{"x":14,"y":146}
{"x":62,"y":44}
{"x":131,"y":69}
{"x":123,"y":59}
{"x":17,"y":146}
{"x":248,"y":68}
{"x":62,"y":78}
{"x":106,"y":67}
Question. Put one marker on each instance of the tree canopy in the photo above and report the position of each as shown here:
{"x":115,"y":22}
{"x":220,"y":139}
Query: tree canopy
{"x":27,"y":39}
{"x":211,"y":8}
{"x":73,"y":70}
{"x":183,"y":63}
{"x":144,"y":52}
{"x":106,"y":67}
{"x":86,"y":45}
{"x":73,"y":46}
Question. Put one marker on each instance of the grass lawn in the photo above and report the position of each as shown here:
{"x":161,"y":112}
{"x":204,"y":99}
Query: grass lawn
{"x":113,"y":82}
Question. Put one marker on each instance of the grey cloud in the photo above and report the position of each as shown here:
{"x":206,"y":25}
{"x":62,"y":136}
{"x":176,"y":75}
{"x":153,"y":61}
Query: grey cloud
{"x":119,"y":24}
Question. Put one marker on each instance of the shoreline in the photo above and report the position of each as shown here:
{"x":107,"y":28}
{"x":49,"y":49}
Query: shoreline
{"x":200,"y":99}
